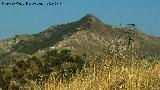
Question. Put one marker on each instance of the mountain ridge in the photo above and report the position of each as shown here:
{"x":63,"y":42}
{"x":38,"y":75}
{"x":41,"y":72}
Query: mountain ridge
{"x":87,"y":35}
{"x":77,"y":51}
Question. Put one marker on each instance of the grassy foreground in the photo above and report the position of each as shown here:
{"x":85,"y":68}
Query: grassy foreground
{"x":112,"y":75}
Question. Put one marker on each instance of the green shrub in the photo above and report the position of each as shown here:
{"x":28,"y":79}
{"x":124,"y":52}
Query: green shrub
{"x":62,"y":62}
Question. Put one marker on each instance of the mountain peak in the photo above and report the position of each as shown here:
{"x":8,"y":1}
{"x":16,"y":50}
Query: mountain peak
{"x":90,"y":21}
{"x":90,"y":17}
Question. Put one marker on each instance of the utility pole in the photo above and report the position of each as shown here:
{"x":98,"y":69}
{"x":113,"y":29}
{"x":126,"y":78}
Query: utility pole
{"x":130,"y":38}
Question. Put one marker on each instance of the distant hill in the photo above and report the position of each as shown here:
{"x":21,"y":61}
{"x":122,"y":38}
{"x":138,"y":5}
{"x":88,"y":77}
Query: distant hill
{"x":89,"y":36}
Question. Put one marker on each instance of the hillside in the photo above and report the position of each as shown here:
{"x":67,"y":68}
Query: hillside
{"x":87,"y":35}
{"x":64,"y":50}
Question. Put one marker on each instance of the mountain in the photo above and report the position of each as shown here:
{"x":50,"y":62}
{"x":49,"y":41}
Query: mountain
{"x":89,"y":36}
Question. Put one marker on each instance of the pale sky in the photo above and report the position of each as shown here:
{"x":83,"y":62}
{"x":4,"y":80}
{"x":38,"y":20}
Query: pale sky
{"x":33,"y":19}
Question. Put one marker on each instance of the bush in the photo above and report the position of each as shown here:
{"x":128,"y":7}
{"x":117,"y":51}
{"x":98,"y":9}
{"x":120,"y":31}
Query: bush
{"x":39,"y":70}
{"x":62,"y":62}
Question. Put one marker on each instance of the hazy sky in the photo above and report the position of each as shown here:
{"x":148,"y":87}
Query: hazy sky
{"x":33,"y":19}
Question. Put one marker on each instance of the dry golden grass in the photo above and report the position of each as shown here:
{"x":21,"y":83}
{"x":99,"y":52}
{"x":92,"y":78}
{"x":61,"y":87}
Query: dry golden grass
{"x":113,"y":75}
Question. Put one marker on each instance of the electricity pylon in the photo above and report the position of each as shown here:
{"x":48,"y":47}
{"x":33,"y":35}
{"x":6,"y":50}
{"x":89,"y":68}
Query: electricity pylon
{"x":131,"y":27}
